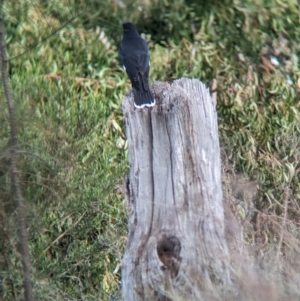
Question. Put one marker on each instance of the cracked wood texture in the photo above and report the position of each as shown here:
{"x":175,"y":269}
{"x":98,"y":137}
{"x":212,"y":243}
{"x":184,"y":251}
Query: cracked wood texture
{"x":176,"y":248}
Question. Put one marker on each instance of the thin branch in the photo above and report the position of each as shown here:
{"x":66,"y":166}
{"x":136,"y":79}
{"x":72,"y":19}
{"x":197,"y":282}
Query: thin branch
{"x":64,"y":233}
{"x":16,"y":187}
{"x":44,"y":39}
{"x":286,"y":200}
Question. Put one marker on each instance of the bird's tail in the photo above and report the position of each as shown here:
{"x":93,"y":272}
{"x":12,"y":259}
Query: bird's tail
{"x":143,"y":98}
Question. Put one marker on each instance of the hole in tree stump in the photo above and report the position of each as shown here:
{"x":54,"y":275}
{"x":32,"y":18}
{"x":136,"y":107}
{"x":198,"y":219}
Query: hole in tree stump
{"x":168,"y":250}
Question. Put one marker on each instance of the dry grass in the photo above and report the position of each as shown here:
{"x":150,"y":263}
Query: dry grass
{"x":264,"y":246}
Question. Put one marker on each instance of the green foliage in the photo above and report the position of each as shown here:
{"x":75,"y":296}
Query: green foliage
{"x":68,"y":88}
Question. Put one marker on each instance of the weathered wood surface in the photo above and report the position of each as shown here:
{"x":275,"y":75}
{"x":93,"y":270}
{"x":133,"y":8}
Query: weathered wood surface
{"x":176,"y":247}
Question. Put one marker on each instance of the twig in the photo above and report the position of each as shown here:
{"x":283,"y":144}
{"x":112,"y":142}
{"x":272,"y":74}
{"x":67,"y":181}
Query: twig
{"x":64,"y":233}
{"x":15,"y":175}
{"x":286,"y":198}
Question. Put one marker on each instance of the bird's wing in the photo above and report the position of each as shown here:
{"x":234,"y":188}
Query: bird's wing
{"x":135,"y":61}
{"x":144,"y":70}
{"x":137,"y":68}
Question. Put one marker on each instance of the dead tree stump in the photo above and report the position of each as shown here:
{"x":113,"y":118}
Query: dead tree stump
{"x":176,"y":248}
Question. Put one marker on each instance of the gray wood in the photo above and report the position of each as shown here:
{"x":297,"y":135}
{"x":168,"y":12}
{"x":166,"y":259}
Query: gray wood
{"x":176,"y":247}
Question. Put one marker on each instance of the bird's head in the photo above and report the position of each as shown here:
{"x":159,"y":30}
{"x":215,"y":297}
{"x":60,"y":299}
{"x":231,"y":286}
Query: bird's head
{"x":129,"y":29}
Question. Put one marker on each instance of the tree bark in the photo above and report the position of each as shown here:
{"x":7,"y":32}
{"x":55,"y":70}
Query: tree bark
{"x":16,"y":186}
{"x":176,"y":248}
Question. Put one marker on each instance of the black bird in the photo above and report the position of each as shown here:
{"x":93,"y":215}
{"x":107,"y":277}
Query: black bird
{"x":134,"y":56}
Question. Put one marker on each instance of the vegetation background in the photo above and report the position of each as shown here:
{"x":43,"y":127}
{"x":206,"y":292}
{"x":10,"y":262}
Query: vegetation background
{"x":68,"y":87}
